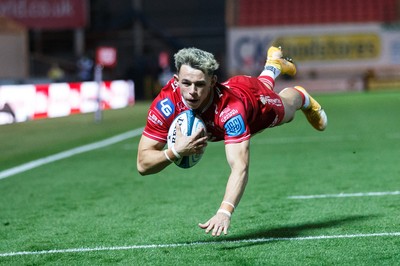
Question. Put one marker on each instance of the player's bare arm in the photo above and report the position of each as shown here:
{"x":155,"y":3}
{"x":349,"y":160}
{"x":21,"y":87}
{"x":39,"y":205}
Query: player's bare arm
{"x":238,"y":158}
{"x":237,"y":155}
{"x":151,"y":159}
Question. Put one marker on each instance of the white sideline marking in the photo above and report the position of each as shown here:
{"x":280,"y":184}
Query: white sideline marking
{"x":344,"y":195}
{"x":65,"y":154}
{"x":305,"y":139}
{"x":157,"y":246}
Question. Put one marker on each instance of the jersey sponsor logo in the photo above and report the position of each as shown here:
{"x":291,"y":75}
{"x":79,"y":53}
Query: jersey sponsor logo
{"x":267,"y":99}
{"x":152,"y":117}
{"x":235,"y":126}
{"x":174,"y":85}
{"x":227,"y":113}
{"x":166,"y":107}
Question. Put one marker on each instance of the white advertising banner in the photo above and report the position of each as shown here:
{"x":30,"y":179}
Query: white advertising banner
{"x":20,"y":103}
{"x":314,"y":47}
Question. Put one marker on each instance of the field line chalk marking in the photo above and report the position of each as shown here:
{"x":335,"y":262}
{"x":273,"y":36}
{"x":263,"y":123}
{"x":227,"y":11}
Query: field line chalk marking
{"x":304,"y":139}
{"x":68,"y":153}
{"x":345,"y":195}
{"x":177,"y":245}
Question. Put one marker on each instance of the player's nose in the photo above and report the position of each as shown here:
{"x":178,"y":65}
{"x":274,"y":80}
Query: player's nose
{"x":192,"y":89}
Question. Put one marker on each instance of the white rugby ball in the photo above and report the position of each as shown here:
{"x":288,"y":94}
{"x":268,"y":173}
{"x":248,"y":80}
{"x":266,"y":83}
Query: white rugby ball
{"x":189,"y":124}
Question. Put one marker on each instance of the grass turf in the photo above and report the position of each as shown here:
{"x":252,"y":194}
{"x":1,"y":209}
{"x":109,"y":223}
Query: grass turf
{"x":97,"y":199}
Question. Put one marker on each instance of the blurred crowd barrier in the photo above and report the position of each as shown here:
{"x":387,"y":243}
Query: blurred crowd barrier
{"x":19,"y":103}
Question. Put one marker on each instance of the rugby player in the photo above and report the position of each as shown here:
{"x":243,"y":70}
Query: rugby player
{"x":233,"y":112}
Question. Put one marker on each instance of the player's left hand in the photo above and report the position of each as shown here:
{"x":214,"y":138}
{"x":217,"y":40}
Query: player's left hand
{"x":218,"y":223}
{"x":188,"y":145}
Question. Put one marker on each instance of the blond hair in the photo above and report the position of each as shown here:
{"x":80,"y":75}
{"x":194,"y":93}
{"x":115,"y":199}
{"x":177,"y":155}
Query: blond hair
{"x":197,"y":59}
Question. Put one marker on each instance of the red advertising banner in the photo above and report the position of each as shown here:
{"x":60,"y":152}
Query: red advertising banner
{"x":46,"y":14}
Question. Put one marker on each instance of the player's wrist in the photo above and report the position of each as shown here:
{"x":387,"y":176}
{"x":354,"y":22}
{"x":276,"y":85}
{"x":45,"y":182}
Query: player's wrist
{"x":176,"y":154}
{"x":167,"y":156}
{"x":225,"y":212}
{"x":226,"y":208}
{"x":171,"y":154}
{"x":226,"y":205}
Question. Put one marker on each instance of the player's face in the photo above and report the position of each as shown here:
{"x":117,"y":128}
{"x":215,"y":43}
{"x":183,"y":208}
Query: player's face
{"x":195,"y":86}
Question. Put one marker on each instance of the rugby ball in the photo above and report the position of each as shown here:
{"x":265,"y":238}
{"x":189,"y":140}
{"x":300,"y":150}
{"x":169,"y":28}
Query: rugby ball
{"x":189,"y":124}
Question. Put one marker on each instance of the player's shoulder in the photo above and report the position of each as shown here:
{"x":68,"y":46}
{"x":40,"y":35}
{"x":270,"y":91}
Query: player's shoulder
{"x":161,"y":113}
{"x":227,"y":94}
{"x":170,"y":88}
{"x":169,"y":93}
{"x":238,"y":80}
{"x":227,"y":104}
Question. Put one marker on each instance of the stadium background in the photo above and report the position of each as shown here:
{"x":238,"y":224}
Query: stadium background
{"x":143,"y":32}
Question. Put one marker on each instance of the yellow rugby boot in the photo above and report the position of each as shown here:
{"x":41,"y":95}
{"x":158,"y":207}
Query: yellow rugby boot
{"x":275,"y":58}
{"x":316,"y":116}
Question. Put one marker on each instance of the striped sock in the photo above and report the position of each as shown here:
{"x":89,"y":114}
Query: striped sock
{"x":305,"y":99}
{"x":271,"y":71}
{"x":267,"y":80}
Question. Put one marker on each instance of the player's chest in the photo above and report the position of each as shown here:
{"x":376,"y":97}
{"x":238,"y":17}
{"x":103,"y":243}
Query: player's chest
{"x":214,"y":123}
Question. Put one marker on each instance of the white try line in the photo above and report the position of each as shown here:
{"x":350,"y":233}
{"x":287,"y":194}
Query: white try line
{"x":191,"y":244}
{"x":345,"y":195}
{"x":65,"y":154}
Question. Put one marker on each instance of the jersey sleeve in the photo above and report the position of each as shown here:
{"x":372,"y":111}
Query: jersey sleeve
{"x":161,"y":114}
{"x":234,"y":120}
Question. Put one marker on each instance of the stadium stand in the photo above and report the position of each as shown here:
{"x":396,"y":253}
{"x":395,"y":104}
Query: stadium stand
{"x":287,"y":12}
{"x":254,"y":13}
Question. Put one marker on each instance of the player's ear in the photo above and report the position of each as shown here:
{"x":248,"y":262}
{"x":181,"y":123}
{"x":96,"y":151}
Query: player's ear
{"x":176,"y":78}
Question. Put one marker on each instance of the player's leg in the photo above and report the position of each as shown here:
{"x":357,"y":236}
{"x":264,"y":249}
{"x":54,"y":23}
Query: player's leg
{"x":275,"y":59}
{"x":292,"y":101}
{"x":298,"y":98}
{"x":274,"y":66}
{"x":293,"y":98}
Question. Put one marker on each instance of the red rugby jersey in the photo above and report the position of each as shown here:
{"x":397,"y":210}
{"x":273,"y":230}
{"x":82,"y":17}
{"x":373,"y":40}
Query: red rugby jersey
{"x":239,"y":107}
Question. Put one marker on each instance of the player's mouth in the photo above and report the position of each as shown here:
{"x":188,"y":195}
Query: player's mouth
{"x":192,"y":102}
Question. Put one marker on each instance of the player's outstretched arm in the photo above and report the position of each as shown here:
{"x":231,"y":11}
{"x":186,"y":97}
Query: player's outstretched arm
{"x":150,"y":157}
{"x":238,"y":158}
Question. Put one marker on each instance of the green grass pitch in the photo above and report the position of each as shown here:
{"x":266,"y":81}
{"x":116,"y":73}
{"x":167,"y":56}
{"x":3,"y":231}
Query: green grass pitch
{"x":95,"y":209}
